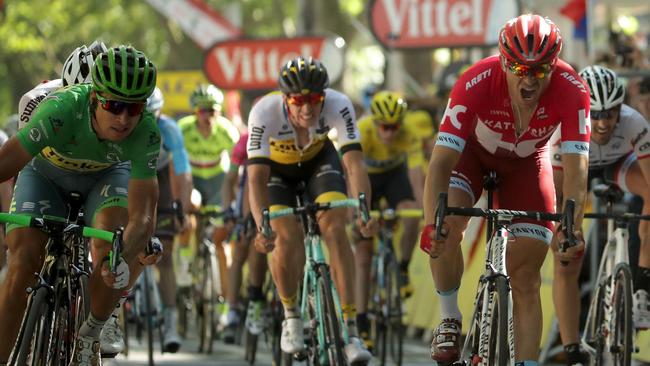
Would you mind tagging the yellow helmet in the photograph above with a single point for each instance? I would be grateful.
(388, 107)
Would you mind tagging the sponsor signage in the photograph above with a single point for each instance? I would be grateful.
(250, 64)
(439, 23)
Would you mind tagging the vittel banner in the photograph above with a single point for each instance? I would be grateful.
(439, 23)
(255, 63)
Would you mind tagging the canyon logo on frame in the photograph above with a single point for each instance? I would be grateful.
(439, 23)
(249, 64)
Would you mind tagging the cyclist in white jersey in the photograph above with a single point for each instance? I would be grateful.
(618, 152)
(288, 144)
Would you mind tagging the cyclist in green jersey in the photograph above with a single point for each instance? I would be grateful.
(209, 137)
(98, 140)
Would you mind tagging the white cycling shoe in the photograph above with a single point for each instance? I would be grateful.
(641, 309)
(292, 340)
(86, 352)
(355, 351)
(111, 339)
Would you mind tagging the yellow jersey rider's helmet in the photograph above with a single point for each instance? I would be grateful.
(388, 107)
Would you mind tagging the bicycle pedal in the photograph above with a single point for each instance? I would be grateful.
(109, 355)
(300, 356)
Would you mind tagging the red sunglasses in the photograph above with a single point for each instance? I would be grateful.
(311, 98)
(117, 107)
(521, 71)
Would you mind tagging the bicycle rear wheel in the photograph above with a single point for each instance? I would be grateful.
(621, 345)
(207, 301)
(329, 318)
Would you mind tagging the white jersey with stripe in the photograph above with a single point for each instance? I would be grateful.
(629, 135)
(30, 100)
(273, 138)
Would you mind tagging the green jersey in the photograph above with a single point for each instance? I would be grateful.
(209, 156)
(61, 131)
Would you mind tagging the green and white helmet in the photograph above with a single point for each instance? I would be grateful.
(206, 95)
(124, 72)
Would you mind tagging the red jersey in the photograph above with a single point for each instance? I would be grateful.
(239, 156)
(479, 110)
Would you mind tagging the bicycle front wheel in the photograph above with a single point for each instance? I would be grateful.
(395, 329)
(621, 321)
(27, 350)
(329, 319)
(499, 350)
(148, 312)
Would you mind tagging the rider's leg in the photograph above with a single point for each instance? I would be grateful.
(637, 184)
(410, 232)
(363, 260)
(239, 256)
(287, 262)
(219, 236)
(332, 226)
(184, 263)
(525, 257)
(26, 248)
(167, 284)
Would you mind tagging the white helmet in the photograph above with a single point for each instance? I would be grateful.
(155, 101)
(77, 68)
(605, 89)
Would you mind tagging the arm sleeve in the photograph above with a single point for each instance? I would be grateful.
(345, 123)
(146, 148)
(575, 127)
(46, 123)
(257, 148)
(459, 117)
(173, 140)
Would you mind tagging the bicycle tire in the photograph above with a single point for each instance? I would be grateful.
(125, 325)
(378, 322)
(622, 324)
(207, 302)
(395, 328)
(37, 305)
(64, 331)
(329, 316)
(593, 324)
(499, 349)
(148, 313)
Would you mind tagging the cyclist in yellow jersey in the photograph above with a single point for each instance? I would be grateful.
(420, 122)
(393, 155)
(209, 137)
(287, 145)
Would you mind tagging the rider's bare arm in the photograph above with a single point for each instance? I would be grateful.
(13, 157)
(443, 160)
(143, 197)
(355, 169)
(574, 184)
(258, 177)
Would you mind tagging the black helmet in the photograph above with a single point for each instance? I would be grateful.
(302, 76)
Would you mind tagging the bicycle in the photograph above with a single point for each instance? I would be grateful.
(490, 338)
(142, 306)
(58, 302)
(205, 294)
(385, 309)
(320, 303)
(609, 330)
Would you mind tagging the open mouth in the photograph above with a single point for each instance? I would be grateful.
(527, 94)
(120, 130)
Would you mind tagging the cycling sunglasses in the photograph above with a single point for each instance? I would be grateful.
(521, 71)
(311, 98)
(117, 107)
(604, 114)
(388, 127)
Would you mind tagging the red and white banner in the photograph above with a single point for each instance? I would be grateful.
(255, 63)
(198, 20)
(439, 23)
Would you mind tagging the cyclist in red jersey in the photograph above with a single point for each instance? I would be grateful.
(499, 116)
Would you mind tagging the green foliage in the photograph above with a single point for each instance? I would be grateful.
(38, 35)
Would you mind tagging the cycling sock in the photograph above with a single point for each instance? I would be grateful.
(642, 279)
(118, 308)
(350, 318)
(290, 306)
(574, 354)
(449, 304)
(526, 363)
(92, 327)
(363, 324)
(255, 293)
(404, 266)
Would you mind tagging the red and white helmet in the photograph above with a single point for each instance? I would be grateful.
(529, 40)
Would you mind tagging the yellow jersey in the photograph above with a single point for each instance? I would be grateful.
(380, 157)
